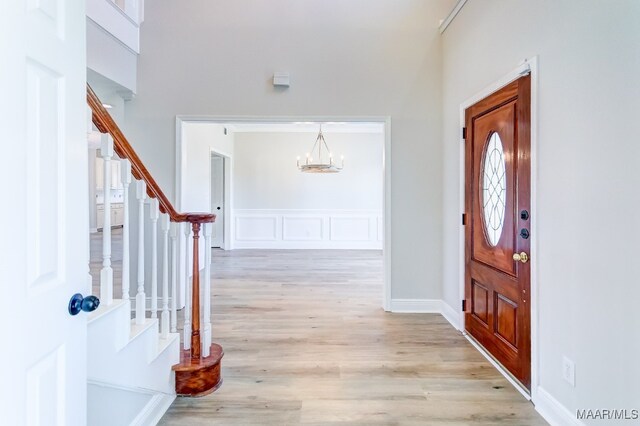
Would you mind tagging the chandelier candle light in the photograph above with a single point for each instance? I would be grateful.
(321, 166)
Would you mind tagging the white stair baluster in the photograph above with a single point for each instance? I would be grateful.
(141, 194)
(154, 214)
(174, 229)
(106, 274)
(126, 278)
(164, 318)
(187, 306)
(206, 291)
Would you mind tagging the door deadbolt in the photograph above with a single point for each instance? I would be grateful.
(521, 257)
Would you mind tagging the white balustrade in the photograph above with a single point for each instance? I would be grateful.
(164, 318)
(106, 273)
(154, 214)
(141, 194)
(173, 234)
(125, 172)
(187, 306)
(206, 290)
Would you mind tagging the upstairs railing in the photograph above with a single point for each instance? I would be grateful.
(175, 230)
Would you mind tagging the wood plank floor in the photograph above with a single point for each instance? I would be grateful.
(306, 342)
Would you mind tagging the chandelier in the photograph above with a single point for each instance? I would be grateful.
(325, 163)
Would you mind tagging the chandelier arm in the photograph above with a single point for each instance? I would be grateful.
(321, 139)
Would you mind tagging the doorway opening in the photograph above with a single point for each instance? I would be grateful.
(267, 202)
(220, 200)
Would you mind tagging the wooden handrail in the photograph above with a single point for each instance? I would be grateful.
(105, 124)
(195, 375)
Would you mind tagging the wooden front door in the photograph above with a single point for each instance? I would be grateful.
(498, 231)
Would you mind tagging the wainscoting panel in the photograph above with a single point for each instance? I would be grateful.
(256, 228)
(308, 229)
(300, 228)
(350, 228)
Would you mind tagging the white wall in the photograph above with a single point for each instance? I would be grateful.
(588, 178)
(266, 177)
(199, 140)
(346, 58)
(277, 206)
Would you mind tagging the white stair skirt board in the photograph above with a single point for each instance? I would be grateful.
(553, 411)
(123, 353)
(135, 407)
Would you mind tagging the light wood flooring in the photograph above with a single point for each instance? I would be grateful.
(306, 342)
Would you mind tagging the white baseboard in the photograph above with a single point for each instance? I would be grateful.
(154, 410)
(553, 411)
(416, 306)
(127, 405)
(304, 245)
(451, 315)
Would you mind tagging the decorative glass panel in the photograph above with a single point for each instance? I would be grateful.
(494, 189)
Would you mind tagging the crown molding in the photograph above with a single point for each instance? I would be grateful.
(454, 12)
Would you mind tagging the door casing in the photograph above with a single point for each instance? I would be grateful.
(386, 165)
(528, 66)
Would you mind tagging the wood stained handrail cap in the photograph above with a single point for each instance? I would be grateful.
(197, 217)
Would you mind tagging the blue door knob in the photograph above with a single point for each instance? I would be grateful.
(79, 303)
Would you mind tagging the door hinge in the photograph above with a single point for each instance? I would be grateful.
(464, 305)
(464, 133)
(464, 218)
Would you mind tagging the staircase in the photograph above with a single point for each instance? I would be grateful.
(135, 358)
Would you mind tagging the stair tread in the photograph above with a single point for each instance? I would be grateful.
(138, 329)
(105, 309)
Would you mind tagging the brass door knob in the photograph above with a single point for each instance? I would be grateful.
(521, 257)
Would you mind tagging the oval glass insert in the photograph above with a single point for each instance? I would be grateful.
(494, 189)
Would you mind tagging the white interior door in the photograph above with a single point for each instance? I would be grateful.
(44, 215)
(217, 200)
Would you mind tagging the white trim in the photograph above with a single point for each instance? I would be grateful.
(553, 411)
(273, 229)
(452, 15)
(451, 315)
(528, 66)
(416, 306)
(386, 165)
(498, 366)
(154, 410)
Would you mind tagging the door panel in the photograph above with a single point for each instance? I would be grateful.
(497, 189)
(44, 250)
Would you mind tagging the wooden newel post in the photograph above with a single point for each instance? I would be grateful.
(195, 296)
(199, 371)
